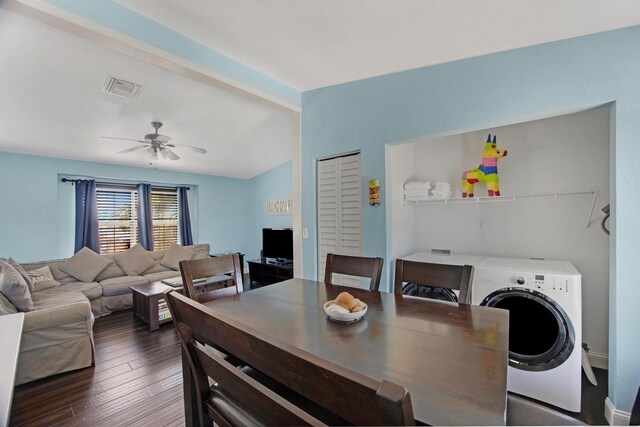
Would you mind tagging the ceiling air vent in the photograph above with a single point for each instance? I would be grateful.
(121, 88)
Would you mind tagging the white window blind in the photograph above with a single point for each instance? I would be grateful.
(164, 205)
(339, 210)
(118, 215)
(117, 218)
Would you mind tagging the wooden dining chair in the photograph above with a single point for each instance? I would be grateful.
(438, 275)
(211, 269)
(236, 398)
(525, 412)
(354, 266)
(338, 391)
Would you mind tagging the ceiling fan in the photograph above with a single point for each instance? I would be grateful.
(156, 144)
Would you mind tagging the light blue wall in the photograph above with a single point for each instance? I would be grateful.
(37, 210)
(480, 93)
(125, 21)
(273, 184)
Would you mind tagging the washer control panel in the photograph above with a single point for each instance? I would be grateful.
(540, 282)
(558, 279)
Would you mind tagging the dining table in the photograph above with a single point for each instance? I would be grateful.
(452, 358)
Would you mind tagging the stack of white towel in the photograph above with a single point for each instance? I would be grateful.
(441, 191)
(415, 191)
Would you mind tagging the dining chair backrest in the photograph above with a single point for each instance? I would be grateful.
(354, 397)
(237, 399)
(439, 275)
(206, 268)
(354, 266)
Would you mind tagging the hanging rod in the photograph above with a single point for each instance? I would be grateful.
(74, 180)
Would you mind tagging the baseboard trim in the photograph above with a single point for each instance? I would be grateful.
(614, 416)
(598, 360)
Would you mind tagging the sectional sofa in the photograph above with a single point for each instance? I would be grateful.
(57, 334)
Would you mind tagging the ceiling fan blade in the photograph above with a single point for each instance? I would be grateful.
(163, 152)
(123, 139)
(129, 150)
(196, 149)
(162, 138)
(171, 154)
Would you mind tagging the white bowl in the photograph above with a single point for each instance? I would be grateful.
(344, 317)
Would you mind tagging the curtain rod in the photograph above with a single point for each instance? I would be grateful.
(73, 181)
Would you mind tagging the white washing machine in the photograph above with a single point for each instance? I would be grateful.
(544, 299)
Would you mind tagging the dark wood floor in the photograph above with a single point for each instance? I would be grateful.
(137, 381)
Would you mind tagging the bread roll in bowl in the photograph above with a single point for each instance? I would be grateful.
(346, 300)
(333, 307)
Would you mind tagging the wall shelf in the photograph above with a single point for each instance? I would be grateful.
(494, 199)
(486, 199)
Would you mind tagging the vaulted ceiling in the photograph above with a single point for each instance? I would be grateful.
(318, 43)
(51, 80)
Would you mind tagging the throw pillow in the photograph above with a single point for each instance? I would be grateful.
(42, 278)
(174, 255)
(134, 260)
(14, 287)
(23, 273)
(5, 306)
(85, 265)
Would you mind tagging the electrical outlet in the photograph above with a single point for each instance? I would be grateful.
(305, 233)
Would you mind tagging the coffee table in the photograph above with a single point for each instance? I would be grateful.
(145, 303)
(146, 298)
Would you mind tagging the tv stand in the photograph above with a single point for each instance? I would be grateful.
(266, 273)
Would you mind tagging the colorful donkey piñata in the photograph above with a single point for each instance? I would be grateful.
(486, 172)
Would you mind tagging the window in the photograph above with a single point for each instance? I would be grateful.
(118, 215)
(164, 204)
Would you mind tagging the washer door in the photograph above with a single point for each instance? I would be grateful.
(541, 335)
(431, 292)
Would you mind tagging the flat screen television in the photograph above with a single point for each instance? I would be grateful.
(277, 243)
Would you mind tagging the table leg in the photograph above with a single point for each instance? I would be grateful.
(154, 323)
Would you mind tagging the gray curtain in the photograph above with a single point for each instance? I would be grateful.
(145, 217)
(186, 237)
(87, 233)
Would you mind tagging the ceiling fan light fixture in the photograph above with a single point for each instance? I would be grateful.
(153, 152)
(155, 142)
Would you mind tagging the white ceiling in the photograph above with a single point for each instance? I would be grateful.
(52, 103)
(50, 84)
(317, 43)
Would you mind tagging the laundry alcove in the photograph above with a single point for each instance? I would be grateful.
(566, 155)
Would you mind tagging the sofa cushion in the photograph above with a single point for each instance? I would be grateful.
(14, 287)
(42, 278)
(134, 260)
(161, 275)
(56, 297)
(113, 270)
(120, 285)
(200, 251)
(54, 265)
(6, 307)
(91, 290)
(175, 254)
(85, 265)
(23, 273)
(157, 257)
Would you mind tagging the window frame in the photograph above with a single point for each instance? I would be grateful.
(112, 247)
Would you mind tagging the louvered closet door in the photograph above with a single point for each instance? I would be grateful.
(339, 204)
